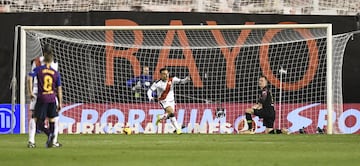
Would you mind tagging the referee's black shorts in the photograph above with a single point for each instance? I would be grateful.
(268, 116)
(45, 110)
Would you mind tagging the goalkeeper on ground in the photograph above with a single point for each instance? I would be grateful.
(264, 108)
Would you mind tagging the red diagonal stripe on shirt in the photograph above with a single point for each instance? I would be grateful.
(167, 90)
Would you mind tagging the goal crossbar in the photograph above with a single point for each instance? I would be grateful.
(177, 27)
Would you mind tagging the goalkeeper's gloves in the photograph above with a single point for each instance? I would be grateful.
(137, 86)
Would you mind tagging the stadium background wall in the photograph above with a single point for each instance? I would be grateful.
(341, 24)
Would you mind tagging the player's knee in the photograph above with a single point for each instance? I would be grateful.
(249, 110)
(56, 119)
(171, 115)
(169, 110)
(268, 130)
(52, 120)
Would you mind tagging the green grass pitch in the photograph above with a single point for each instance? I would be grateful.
(184, 150)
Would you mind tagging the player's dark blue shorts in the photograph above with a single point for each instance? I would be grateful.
(45, 110)
(268, 116)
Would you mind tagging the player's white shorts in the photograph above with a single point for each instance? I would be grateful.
(33, 103)
(164, 104)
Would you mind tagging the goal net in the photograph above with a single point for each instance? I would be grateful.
(104, 85)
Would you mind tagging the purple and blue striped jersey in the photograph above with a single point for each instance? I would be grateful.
(48, 81)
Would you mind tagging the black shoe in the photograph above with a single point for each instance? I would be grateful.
(320, 131)
(31, 145)
(50, 140)
(302, 131)
(182, 127)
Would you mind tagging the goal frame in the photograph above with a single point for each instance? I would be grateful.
(23, 72)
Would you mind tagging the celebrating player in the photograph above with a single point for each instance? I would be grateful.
(47, 81)
(165, 91)
(264, 108)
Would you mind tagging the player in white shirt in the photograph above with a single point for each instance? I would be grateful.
(165, 91)
(38, 61)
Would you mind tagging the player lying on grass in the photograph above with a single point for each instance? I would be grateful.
(165, 91)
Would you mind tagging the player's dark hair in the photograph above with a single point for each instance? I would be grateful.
(47, 49)
(262, 76)
(267, 81)
(162, 69)
(48, 58)
(48, 53)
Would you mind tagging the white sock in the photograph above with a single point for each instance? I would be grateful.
(174, 123)
(56, 129)
(32, 130)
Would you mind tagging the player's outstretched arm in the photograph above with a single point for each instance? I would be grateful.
(30, 85)
(59, 95)
(149, 94)
(181, 81)
(187, 79)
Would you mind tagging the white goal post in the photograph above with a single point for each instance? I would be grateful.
(287, 46)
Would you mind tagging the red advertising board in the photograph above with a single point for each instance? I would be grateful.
(199, 118)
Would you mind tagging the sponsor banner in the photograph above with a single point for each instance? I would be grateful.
(6, 120)
(198, 118)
